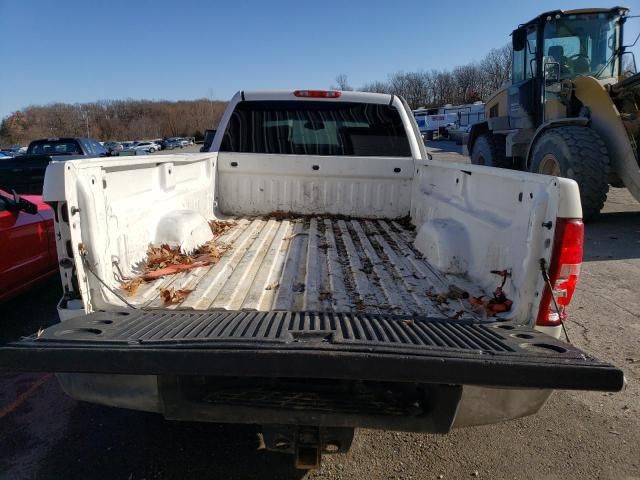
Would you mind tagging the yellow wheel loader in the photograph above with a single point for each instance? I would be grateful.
(572, 107)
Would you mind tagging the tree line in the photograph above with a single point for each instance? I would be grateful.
(112, 120)
(463, 84)
(146, 119)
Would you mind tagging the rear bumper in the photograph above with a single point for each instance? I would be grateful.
(474, 406)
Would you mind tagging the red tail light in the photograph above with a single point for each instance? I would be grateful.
(317, 93)
(564, 270)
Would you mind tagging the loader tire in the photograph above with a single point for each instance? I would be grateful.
(578, 153)
(489, 150)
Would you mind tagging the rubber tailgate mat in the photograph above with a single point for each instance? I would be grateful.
(400, 348)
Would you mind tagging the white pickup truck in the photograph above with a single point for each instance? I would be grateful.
(346, 279)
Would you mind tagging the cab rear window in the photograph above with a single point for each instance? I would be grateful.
(55, 147)
(316, 128)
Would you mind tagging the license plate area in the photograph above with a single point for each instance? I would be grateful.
(320, 402)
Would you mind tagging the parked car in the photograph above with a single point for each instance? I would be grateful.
(27, 237)
(4, 155)
(25, 173)
(113, 147)
(131, 152)
(145, 146)
(183, 142)
(170, 144)
(15, 148)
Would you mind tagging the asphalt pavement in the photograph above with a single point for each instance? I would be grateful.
(577, 435)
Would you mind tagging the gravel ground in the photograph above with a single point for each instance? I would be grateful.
(577, 435)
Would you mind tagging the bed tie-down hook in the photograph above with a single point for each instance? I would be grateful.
(499, 303)
(506, 273)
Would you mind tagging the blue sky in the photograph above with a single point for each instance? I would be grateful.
(79, 51)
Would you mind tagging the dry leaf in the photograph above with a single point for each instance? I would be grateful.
(281, 215)
(172, 296)
(172, 269)
(325, 295)
(219, 227)
(166, 260)
(437, 297)
(131, 286)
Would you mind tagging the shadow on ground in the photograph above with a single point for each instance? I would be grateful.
(613, 236)
(106, 443)
(34, 309)
(436, 146)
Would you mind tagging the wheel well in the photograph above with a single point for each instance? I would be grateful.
(477, 129)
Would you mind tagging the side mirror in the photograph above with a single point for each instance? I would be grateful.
(629, 68)
(519, 39)
(24, 205)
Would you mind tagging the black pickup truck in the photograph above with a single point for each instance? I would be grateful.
(25, 173)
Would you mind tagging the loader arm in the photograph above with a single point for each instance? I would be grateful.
(619, 130)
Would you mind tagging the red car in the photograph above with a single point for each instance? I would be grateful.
(27, 243)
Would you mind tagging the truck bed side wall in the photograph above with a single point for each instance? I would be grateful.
(114, 209)
(472, 220)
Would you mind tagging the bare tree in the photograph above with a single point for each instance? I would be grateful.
(376, 87)
(342, 83)
(463, 84)
(496, 65)
(470, 83)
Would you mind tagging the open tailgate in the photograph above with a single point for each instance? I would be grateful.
(311, 345)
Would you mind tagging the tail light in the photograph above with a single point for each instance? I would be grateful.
(564, 270)
(317, 93)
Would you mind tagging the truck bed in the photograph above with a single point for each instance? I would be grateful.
(322, 264)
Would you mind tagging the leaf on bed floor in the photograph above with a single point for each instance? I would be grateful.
(220, 227)
(172, 296)
(173, 269)
(164, 255)
(166, 260)
(281, 215)
(131, 286)
(326, 295)
(209, 250)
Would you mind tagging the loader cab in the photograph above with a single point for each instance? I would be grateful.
(553, 49)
